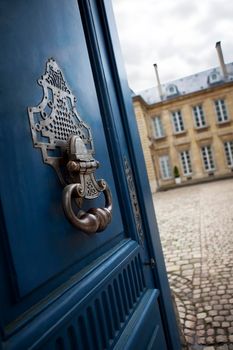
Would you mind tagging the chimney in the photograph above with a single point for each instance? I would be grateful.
(158, 81)
(221, 59)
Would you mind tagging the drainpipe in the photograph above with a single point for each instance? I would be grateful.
(158, 81)
(221, 59)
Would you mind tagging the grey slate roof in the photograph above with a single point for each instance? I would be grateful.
(186, 85)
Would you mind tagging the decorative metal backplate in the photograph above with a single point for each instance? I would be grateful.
(55, 119)
(134, 200)
(67, 145)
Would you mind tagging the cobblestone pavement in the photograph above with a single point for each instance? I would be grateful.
(196, 228)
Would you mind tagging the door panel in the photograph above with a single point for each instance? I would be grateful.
(35, 210)
(63, 288)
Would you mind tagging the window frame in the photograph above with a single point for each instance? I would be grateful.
(157, 124)
(188, 164)
(168, 169)
(209, 146)
(216, 102)
(177, 118)
(230, 153)
(199, 117)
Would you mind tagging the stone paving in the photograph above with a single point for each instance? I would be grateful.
(196, 228)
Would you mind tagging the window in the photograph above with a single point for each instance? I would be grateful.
(221, 111)
(214, 77)
(228, 147)
(199, 116)
(165, 168)
(186, 162)
(172, 90)
(207, 157)
(177, 119)
(157, 127)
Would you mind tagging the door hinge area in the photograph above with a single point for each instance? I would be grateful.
(150, 263)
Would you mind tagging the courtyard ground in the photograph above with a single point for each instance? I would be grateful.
(196, 229)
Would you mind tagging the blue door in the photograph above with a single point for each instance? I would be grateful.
(81, 263)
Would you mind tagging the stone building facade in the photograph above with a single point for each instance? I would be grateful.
(188, 124)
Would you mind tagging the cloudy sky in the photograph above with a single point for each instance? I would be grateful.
(178, 35)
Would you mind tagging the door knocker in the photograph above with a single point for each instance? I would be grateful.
(67, 145)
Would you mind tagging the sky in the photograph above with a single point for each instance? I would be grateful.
(178, 35)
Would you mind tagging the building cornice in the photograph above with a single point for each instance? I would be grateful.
(138, 98)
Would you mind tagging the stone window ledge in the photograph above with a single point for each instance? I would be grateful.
(180, 133)
(202, 128)
(224, 123)
(161, 138)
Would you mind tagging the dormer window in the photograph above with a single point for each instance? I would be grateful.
(214, 77)
(172, 90)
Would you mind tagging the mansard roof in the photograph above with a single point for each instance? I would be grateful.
(189, 84)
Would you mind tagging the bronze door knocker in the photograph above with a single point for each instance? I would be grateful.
(67, 145)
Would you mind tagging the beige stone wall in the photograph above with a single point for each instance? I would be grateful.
(192, 139)
(141, 122)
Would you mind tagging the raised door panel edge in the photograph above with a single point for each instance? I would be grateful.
(92, 25)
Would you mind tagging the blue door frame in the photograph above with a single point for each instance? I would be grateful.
(61, 289)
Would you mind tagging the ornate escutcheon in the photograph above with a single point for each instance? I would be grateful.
(67, 145)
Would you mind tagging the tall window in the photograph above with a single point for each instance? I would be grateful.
(228, 147)
(165, 167)
(207, 157)
(221, 110)
(157, 126)
(186, 162)
(199, 116)
(178, 123)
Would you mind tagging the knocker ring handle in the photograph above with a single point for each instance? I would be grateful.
(95, 219)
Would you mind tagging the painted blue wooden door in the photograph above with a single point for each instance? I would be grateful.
(62, 288)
